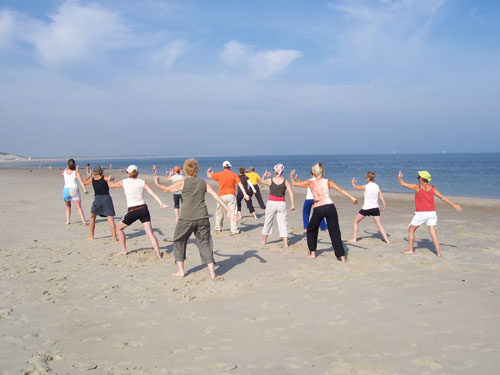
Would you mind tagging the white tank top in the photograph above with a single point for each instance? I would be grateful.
(134, 191)
(70, 180)
(371, 196)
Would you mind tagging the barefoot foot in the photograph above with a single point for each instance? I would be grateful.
(122, 252)
(90, 238)
(407, 252)
(179, 274)
(312, 255)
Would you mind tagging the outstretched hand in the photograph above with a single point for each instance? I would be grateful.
(163, 206)
(354, 180)
(400, 174)
(458, 208)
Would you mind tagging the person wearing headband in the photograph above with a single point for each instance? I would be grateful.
(276, 204)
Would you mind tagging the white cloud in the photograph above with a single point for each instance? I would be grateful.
(167, 55)
(79, 32)
(7, 24)
(260, 64)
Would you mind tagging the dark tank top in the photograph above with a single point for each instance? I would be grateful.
(277, 190)
(193, 196)
(100, 186)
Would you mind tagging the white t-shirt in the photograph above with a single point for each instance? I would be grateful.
(371, 196)
(134, 190)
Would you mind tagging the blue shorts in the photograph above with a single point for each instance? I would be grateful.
(71, 194)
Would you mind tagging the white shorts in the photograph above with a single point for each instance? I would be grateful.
(424, 217)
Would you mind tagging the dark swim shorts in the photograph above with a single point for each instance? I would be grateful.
(137, 213)
(370, 212)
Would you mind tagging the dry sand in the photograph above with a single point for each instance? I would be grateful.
(70, 306)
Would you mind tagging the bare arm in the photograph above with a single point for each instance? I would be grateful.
(334, 186)
(115, 185)
(210, 172)
(446, 200)
(214, 195)
(265, 180)
(88, 180)
(381, 196)
(296, 182)
(292, 197)
(153, 194)
(79, 177)
(405, 184)
(357, 187)
(179, 185)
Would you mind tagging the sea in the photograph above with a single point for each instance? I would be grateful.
(454, 174)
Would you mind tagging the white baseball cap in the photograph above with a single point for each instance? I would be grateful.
(131, 168)
(226, 164)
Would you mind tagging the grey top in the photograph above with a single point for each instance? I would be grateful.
(193, 196)
(277, 190)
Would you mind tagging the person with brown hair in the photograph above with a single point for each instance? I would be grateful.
(71, 193)
(194, 217)
(249, 190)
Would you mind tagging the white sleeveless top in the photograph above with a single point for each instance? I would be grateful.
(371, 196)
(70, 180)
(134, 191)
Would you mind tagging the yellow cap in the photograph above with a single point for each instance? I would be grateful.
(425, 175)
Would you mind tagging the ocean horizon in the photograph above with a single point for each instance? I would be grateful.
(454, 174)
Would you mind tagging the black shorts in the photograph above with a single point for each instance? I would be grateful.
(370, 212)
(137, 213)
(177, 200)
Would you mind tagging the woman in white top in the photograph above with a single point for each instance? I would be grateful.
(70, 191)
(137, 208)
(323, 208)
(370, 206)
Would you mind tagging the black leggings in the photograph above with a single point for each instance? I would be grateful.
(239, 198)
(329, 212)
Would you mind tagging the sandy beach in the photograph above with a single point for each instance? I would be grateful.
(71, 306)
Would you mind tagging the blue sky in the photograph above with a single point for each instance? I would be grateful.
(124, 77)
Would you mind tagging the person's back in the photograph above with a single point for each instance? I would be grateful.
(70, 179)
(371, 196)
(227, 181)
(134, 191)
(100, 186)
(193, 193)
(321, 192)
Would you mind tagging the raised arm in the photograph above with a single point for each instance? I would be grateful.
(210, 172)
(357, 187)
(153, 194)
(334, 186)
(296, 182)
(88, 179)
(446, 200)
(405, 184)
(381, 196)
(179, 185)
(265, 180)
(292, 197)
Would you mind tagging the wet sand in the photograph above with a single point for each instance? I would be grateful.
(70, 306)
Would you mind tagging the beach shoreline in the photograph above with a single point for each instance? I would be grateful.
(70, 305)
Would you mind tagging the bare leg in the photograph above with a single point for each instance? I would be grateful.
(411, 239)
(68, 212)
(239, 215)
(311, 254)
(180, 269)
(285, 241)
(355, 227)
(152, 238)
(211, 270)
(264, 239)
(381, 228)
(435, 239)
(254, 215)
(78, 206)
(111, 221)
(91, 227)
(121, 237)
(176, 210)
